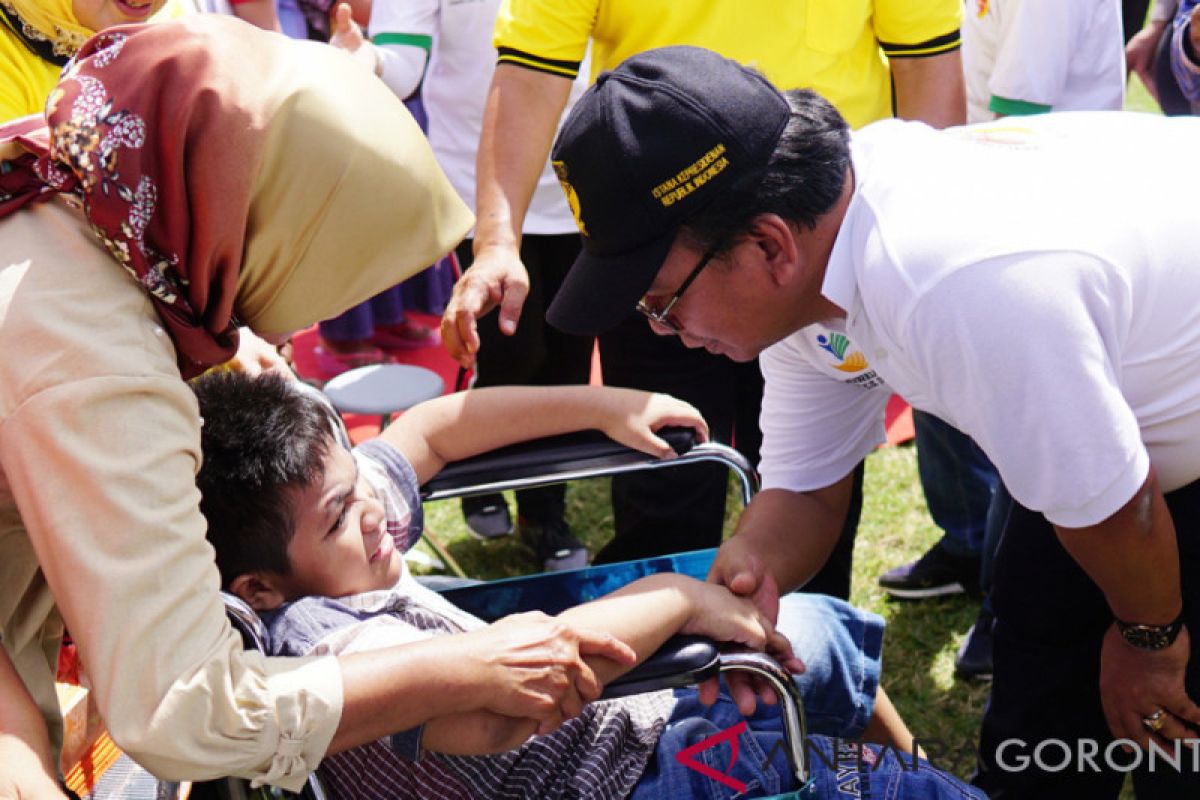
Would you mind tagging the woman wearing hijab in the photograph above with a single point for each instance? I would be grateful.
(192, 176)
(38, 37)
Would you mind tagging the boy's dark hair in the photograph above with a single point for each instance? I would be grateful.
(261, 438)
(801, 182)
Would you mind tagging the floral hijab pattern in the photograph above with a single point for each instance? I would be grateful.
(182, 140)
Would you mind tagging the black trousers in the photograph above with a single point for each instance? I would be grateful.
(1050, 622)
(681, 509)
(537, 354)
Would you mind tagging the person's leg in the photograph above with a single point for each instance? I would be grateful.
(974, 657)
(886, 726)
(958, 481)
(565, 359)
(1050, 621)
(834, 577)
(1165, 781)
(842, 650)
(683, 508)
(537, 355)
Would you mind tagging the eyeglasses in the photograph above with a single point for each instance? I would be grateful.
(662, 316)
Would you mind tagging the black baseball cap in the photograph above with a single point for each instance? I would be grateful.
(648, 146)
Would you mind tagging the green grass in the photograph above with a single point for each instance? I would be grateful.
(922, 638)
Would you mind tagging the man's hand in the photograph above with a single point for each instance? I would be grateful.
(745, 574)
(1135, 683)
(496, 278)
(721, 615)
(349, 37)
(536, 669)
(1139, 53)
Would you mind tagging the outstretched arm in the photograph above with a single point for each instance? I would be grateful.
(464, 424)
(521, 115)
(644, 615)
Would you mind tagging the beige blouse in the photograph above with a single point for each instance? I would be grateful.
(99, 446)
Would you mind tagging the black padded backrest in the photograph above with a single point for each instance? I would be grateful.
(553, 454)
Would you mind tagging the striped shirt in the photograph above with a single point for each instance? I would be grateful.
(599, 754)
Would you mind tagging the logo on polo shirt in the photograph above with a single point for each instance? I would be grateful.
(839, 346)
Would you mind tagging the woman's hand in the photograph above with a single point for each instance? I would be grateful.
(632, 417)
(533, 667)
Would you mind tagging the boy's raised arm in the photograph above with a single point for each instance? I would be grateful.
(464, 424)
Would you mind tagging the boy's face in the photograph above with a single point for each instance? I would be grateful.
(340, 544)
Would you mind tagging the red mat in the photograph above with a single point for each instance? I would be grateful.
(899, 415)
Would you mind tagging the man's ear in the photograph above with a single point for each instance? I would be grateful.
(777, 249)
(260, 590)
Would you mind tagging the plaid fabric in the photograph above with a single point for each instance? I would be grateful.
(600, 754)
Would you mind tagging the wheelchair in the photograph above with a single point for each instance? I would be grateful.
(682, 661)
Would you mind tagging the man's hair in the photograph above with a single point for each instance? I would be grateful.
(801, 182)
(262, 439)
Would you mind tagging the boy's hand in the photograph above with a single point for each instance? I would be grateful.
(725, 617)
(537, 670)
(634, 416)
(745, 574)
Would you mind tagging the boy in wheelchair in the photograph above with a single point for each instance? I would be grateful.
(311, 535)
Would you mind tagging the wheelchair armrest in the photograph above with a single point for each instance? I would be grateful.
(688, 660)
(681, 661)
(554, 458)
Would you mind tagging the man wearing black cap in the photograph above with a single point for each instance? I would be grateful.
(832, 44)
(1057, 333)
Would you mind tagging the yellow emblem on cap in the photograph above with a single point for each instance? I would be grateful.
(560, 170)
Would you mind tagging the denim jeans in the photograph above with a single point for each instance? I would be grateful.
(758, 766)
(958, 480)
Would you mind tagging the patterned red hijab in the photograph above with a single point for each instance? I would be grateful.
(183, 141)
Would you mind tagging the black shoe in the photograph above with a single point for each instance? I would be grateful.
(934, 574)
(554, 544)
(487, 516)
(974, 659)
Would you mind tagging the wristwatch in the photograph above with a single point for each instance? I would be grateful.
(1150, 637)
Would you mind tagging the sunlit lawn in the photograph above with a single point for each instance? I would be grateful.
(922, 638)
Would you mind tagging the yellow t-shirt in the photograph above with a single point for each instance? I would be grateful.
(837, 47)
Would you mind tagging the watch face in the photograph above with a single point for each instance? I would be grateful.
(1146, 637)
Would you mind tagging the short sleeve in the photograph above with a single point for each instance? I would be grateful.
(915, 28)
(395, 483)
(545, 35)
(1035, 55)
(816, 429)
(412, 22)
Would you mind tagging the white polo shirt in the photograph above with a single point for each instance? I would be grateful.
(457, 35)
(1014, 279)
(1029, 56)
